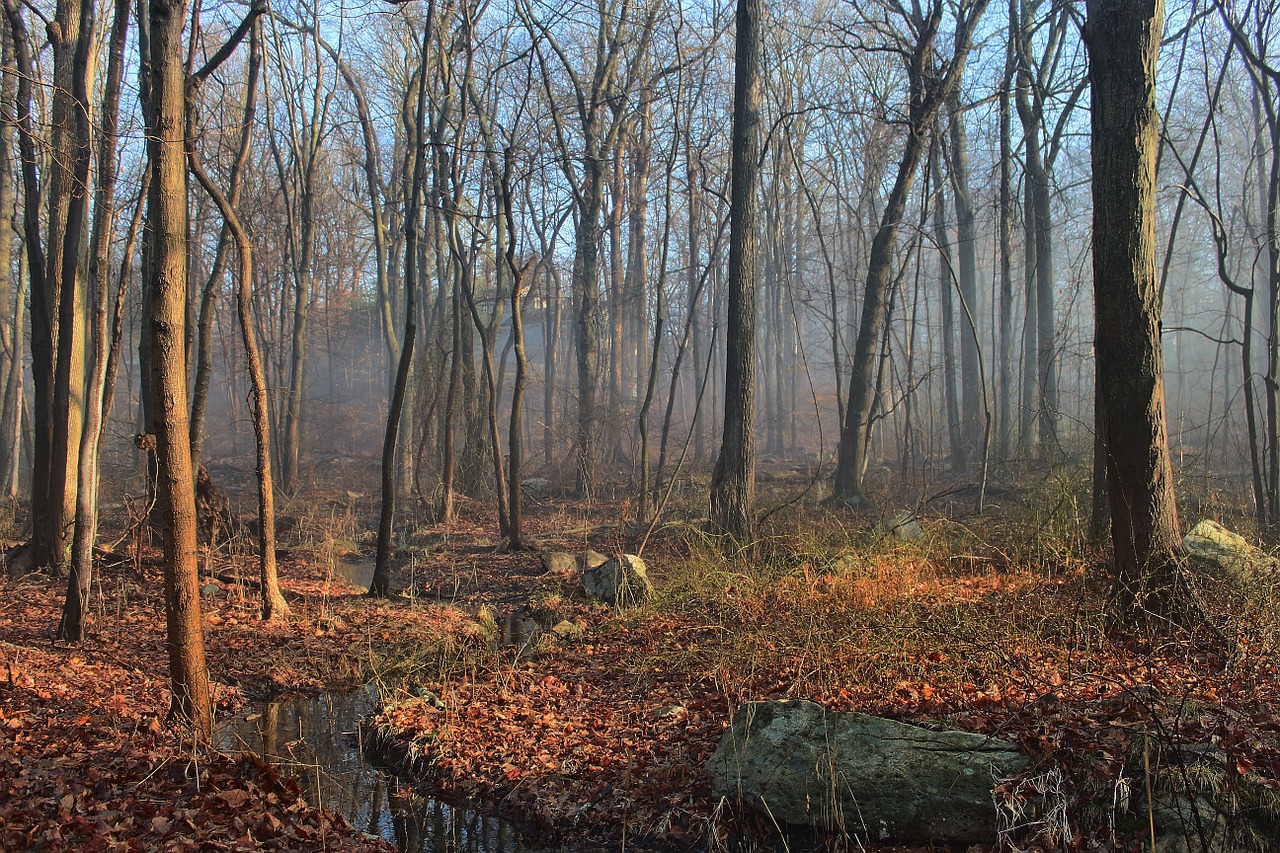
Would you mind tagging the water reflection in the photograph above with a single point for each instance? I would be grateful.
(314, 739)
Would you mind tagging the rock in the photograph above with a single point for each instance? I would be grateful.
(800, 764)
(427, 697)
(620, 581)
(537, 486)
(210, 590)
(558, 562)
(329, 625)
(564, 629)
(1203, 804)
(903, 526)
(592, 559)
(1211, 543)
(547, 610)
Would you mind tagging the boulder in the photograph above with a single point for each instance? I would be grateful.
(536, 486)
(797, 763)
(903, 526)
(558, 562)
(620, 581)
(592, 559)
(1210, 542)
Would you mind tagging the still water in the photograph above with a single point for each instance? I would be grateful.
(314, 740)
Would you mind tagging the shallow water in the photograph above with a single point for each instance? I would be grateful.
(314, 740)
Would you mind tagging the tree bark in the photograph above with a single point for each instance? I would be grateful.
(1123, 39)
(167, 236)
(733, 481)
(71, 627)
(380, 585)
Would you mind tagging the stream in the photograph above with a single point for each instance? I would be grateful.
(313, 738)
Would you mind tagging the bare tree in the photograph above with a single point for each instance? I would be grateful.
(1123, 39)
(733, 482)
(167, 249)
(71, 626)
(381, 584)
(930, 81)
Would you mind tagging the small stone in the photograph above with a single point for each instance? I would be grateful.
(564, 629)
(668, 712)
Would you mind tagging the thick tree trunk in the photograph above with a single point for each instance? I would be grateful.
(1123, 38)
(733, 482)
(167, 236)
(68, 222)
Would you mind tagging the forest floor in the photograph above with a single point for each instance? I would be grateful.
(996, 625)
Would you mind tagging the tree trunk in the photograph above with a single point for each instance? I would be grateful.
(1004, 441)
(167, 236)
(42, 319)
(946, 284)
(733, 480)
(273, 603)
(71, 627)
(380, 585)
(929, 86)
(1123, 40)
(11, 290)
(966, 248)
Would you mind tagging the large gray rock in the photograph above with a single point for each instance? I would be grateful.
(903, 526)
(1211, 543)
(620, 581)
(798, 763)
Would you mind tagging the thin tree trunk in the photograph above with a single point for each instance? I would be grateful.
(515, 439)
(72, 626)
(971, 386)
(273, 602)
(955, 440)
(380, 585)
(1006, 346)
